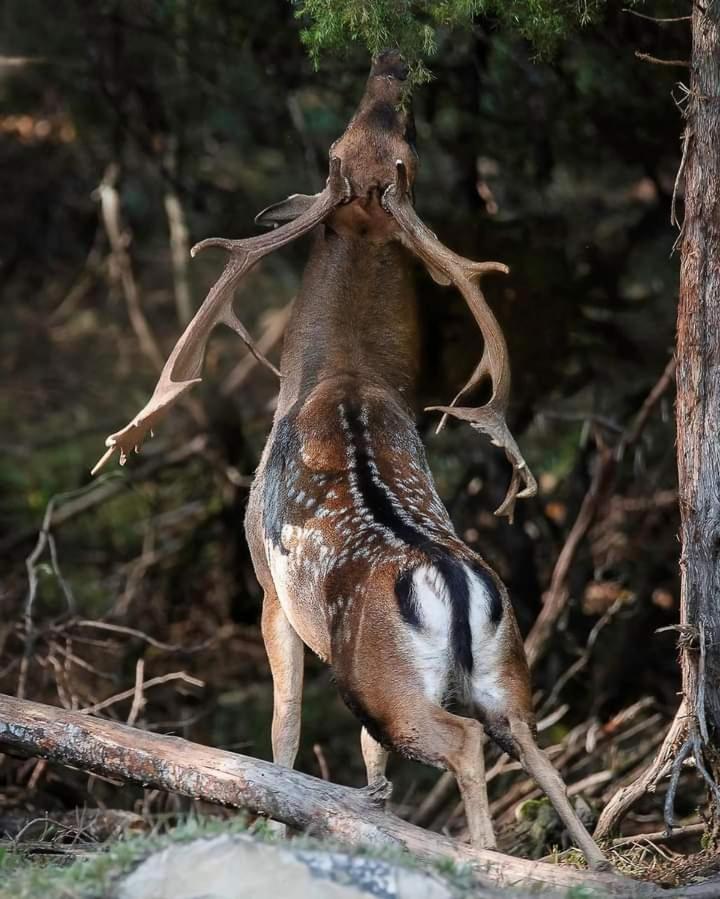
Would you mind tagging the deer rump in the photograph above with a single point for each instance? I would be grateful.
(351, 523)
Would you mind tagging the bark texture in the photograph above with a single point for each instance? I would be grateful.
(698, 396)
(323, 809)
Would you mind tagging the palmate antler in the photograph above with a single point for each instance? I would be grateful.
(464, 274)
(183, 368)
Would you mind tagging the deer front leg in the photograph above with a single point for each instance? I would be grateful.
(539, 767)
(285, 654)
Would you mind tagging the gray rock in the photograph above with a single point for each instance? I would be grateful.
(238, 867)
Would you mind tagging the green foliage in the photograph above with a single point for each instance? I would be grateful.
(413, 25)
(531, 808)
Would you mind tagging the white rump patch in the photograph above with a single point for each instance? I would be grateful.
(485, 683)
(430, 645)
(430, 649)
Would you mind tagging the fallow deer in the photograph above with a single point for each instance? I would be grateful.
(351, 544)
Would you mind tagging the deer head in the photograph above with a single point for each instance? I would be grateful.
(372, 167)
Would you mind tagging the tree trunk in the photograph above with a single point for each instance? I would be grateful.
(322, 809)
(698, 397)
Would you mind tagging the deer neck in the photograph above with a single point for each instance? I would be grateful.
(355, 314)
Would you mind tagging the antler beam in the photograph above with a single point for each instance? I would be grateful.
(184, 366)
(464, 274)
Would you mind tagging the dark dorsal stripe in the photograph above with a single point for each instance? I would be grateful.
(375, 496)
(376, 499)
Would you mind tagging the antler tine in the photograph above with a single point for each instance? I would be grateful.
(464, 274)
(184, 365)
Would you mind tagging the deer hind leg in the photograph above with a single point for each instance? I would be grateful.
(539, 767)
(473, 789)
(436, 736)
(374, 756)
(285, 653)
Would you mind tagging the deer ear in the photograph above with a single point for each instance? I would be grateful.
(285, 210)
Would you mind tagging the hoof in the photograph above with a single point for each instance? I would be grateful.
(378, 792)
(601, 865)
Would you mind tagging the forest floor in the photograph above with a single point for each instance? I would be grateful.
(94, 871)
(53, 861)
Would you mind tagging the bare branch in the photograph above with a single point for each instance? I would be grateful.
(646, 57)
(138, 702)
(556, 598)
(130, 631)
(660, 836)
(179, 254)
(118, 238)
(675, 771)
(633, 433)
(44, 540)
(584, 658)
(277, 320)
(660, 767)
(153, 682)
(660, 21)
(12, 62)
(558, 593)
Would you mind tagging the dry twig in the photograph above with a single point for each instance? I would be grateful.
(558, 594)
(45, 540)
(646, 57)
(135, 632)
(66, 506)
(138, 702)
(628, 795)
(660, 836)
(179, 254)
(133, 692)
(119, 239)
(661, 21)
(322, 761)
(277, 321)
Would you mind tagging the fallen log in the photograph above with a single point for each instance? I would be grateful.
(351, 816)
